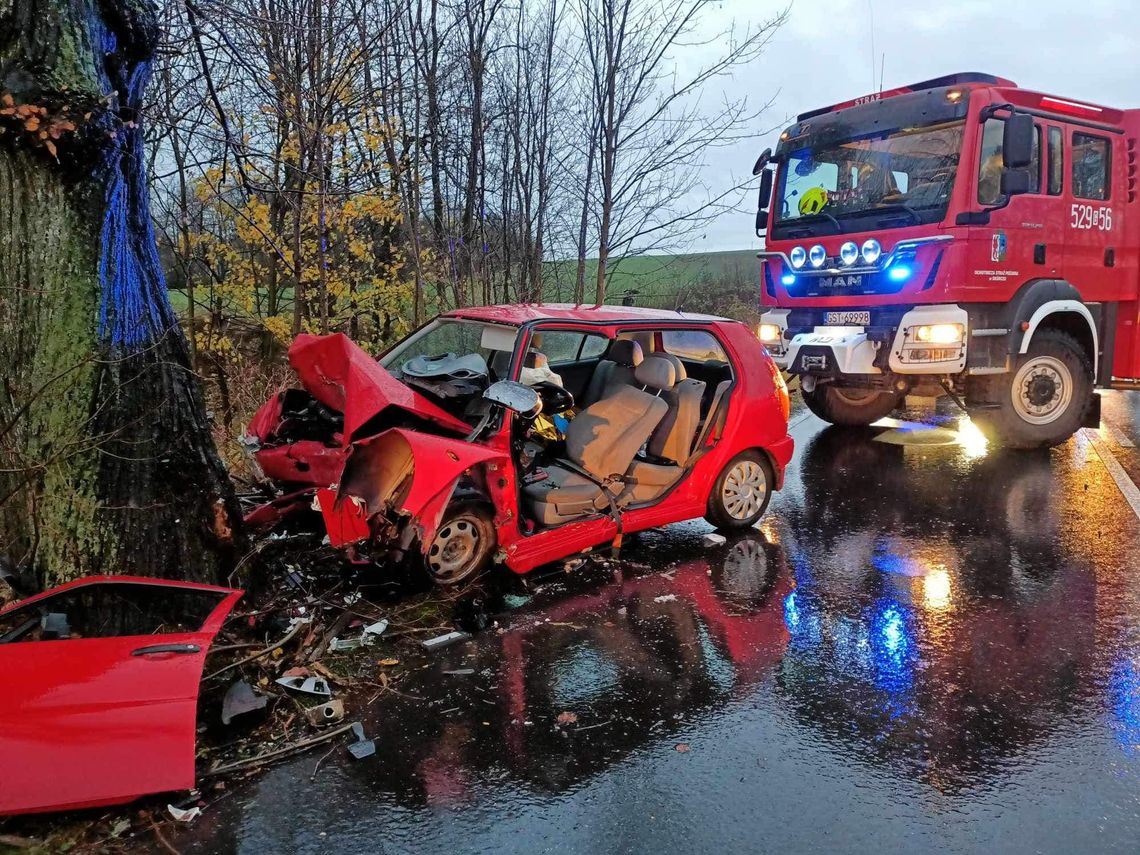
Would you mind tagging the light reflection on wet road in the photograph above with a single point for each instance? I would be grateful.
(924, 644)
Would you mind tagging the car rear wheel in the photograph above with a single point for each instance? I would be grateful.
(850, 407)
(741, 492)
(462, 546)
(1043, 400)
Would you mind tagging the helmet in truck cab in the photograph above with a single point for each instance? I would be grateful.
(813, 200)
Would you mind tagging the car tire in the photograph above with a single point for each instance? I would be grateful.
(849, 407)
(462, 546)
(1041, 402)
(741, 492)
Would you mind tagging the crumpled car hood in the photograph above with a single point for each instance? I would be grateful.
(340, 375)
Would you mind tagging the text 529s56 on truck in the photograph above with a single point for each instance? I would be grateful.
(959, 236)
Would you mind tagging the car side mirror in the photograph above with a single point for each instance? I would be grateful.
(516, 397)
(1017, 143)
(764, 197)
(1014, 182)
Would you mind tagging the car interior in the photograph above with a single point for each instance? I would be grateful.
(640, 408)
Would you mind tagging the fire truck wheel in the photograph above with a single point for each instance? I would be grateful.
(462, 545)
(1043, 400)
(741, 492)
(850, 407)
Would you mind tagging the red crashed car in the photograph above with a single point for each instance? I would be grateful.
(526, 433)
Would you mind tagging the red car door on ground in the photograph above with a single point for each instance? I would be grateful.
(100, 690)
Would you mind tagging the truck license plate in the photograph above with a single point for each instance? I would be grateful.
(837, 319)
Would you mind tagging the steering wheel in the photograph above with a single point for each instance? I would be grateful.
(555, 399)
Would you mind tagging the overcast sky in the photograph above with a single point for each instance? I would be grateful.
(1082, 49)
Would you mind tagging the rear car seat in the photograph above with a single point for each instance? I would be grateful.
(602, 440)
(615, 370)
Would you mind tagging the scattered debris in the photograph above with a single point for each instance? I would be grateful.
(325, 714)
(240, 700)
(460, 672)
(682, 748)
(446, 640)
(666, 598)
(362, 747)
(118, 828)
(187, 815)
(714, 539)
(306, 685)
(388, 662)
(261, 759)
(515, 601)
(567, 718)
(342, 645)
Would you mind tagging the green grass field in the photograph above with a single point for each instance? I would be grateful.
(660, 280)
(709, 281)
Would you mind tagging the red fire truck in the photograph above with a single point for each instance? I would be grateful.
(960, 236)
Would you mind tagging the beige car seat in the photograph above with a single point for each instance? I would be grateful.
(615, 370)
(602, 442)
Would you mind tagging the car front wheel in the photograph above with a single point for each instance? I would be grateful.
(462, 546)
(741, 492)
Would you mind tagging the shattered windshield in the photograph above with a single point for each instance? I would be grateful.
(886, 179)
(492, 343)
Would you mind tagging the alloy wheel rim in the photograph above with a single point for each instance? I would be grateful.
(1042, 390)
(745, 488)
(454, 549)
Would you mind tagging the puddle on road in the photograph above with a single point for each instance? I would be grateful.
(920, 643)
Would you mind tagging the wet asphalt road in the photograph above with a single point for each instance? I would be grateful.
(925, 644)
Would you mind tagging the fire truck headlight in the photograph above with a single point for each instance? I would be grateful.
(797, 257)
(872, 249)
(849, 253)
(817, 256)
(769, 333)
(939, 333)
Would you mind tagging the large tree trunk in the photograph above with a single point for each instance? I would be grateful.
(106, 459)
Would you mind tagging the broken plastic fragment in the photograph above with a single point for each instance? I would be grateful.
(325, 714)
(307, 685)
(666, 598)
(714, 539)
(446, 640)
(362, 747)
(241, 699)
(187, 815)
(376, 629)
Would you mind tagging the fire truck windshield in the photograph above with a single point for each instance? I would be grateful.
(885, 179)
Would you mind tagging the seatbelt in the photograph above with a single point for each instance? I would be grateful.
(615, 510)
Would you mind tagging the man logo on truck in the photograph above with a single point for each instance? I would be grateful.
(928, 187)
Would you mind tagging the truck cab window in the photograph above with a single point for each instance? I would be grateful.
(990, 162)
(1056, 161)
(1091, 158)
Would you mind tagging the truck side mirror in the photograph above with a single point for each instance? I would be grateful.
(765, 197)
(1014, 182)
(1017, 143)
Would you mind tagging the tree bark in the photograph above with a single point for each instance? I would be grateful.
(106, 460)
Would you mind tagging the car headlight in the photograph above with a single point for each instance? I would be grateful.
(849, 253)
(939, 333)
(769, 333)
(872, 249)
(817, 256)
(797, 257)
